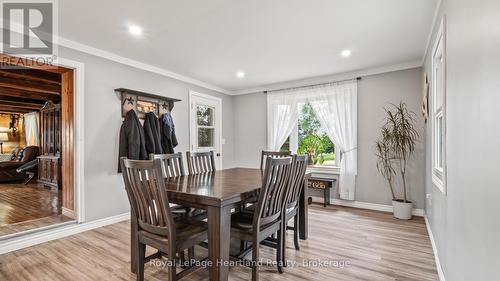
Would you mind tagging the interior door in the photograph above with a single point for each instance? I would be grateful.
(206, 125)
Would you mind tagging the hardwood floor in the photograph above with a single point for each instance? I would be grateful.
(370, 246)
(26, 207)
(19, 202)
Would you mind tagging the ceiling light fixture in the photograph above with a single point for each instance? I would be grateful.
(135, 30)
(346, 53)
(240, 74)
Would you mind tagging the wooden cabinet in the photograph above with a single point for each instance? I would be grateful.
(49, 172)
(49, 163)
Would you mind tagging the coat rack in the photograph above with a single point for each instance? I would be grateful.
(143, 102)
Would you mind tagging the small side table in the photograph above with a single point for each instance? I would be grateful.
(321, 183)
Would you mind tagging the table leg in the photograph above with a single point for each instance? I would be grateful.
(219, 236)
(325, 194)
(133, 241)
(303, 213)
(328, 196)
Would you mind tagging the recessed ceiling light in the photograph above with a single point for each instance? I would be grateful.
(346, 53)
(240, 74)
(135, 30)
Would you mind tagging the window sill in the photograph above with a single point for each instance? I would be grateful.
(332, 170)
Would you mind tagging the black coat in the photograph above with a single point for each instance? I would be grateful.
(168, 138)
(132, 142)
(152, 134)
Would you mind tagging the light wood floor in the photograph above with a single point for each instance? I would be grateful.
(372, 245)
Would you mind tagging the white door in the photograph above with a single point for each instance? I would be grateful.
(205, 125)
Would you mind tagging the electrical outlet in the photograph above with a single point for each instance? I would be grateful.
(429, 199)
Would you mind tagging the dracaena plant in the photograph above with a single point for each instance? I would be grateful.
(396, 145)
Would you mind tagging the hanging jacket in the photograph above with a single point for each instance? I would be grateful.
(168, 138)
(152, 134)
(132, 142)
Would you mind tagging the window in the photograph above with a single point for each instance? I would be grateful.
(438, 119)
(205, 126)
(309, 137)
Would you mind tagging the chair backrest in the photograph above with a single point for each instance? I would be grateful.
(200, 162)
(147, 194)
(273, 154)
(296, 182)
(171, 164)
(271, 196)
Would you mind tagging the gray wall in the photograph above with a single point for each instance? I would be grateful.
(464, 222)
(104, 192)
(374, 92)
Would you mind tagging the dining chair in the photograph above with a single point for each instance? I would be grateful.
(200, 162)
(273, 154)
(291, 206)
(256, 226)
(171, 164)
(156, 225)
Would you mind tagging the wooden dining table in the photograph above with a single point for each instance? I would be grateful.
(218, 193)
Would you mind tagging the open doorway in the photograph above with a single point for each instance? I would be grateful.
(36, 148)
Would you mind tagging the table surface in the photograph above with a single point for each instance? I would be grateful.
(218, 188)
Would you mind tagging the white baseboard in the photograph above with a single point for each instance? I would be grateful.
(434, 249)
(28, 240)
(365, 205)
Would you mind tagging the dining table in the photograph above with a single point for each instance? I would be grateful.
(219, 193)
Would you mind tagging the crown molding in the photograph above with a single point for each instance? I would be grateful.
(429, 37)
(137, 64)
(331, 77)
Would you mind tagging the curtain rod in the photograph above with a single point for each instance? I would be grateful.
(307, 86)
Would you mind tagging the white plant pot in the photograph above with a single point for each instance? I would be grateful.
(402, 210)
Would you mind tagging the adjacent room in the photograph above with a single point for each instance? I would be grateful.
(249, 140)
(30, 150)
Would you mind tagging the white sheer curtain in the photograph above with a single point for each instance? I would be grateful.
(335, 106)
(282, 114)
(31, 128)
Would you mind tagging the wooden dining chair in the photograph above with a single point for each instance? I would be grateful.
(291, 206)
(256, 226)
(200, 162)
(171, 164)
(156, 225)
(273, 154)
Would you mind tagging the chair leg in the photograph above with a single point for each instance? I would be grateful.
(172, 276)
(242, 245)
(191, 255)
(284, 226)
(141, 252)
(182, 256)
(279, 250)
(255, 261)
(296, 232)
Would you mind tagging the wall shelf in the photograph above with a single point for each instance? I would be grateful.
(143, 102)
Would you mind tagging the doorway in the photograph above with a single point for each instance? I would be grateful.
(42, 98)
(206, 125)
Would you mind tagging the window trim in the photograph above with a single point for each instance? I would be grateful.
(439, 172)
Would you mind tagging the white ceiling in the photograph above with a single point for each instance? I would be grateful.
(271, 41)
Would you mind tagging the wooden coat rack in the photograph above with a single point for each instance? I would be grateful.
(143, 102)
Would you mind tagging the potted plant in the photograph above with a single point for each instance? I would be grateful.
(395, 147)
